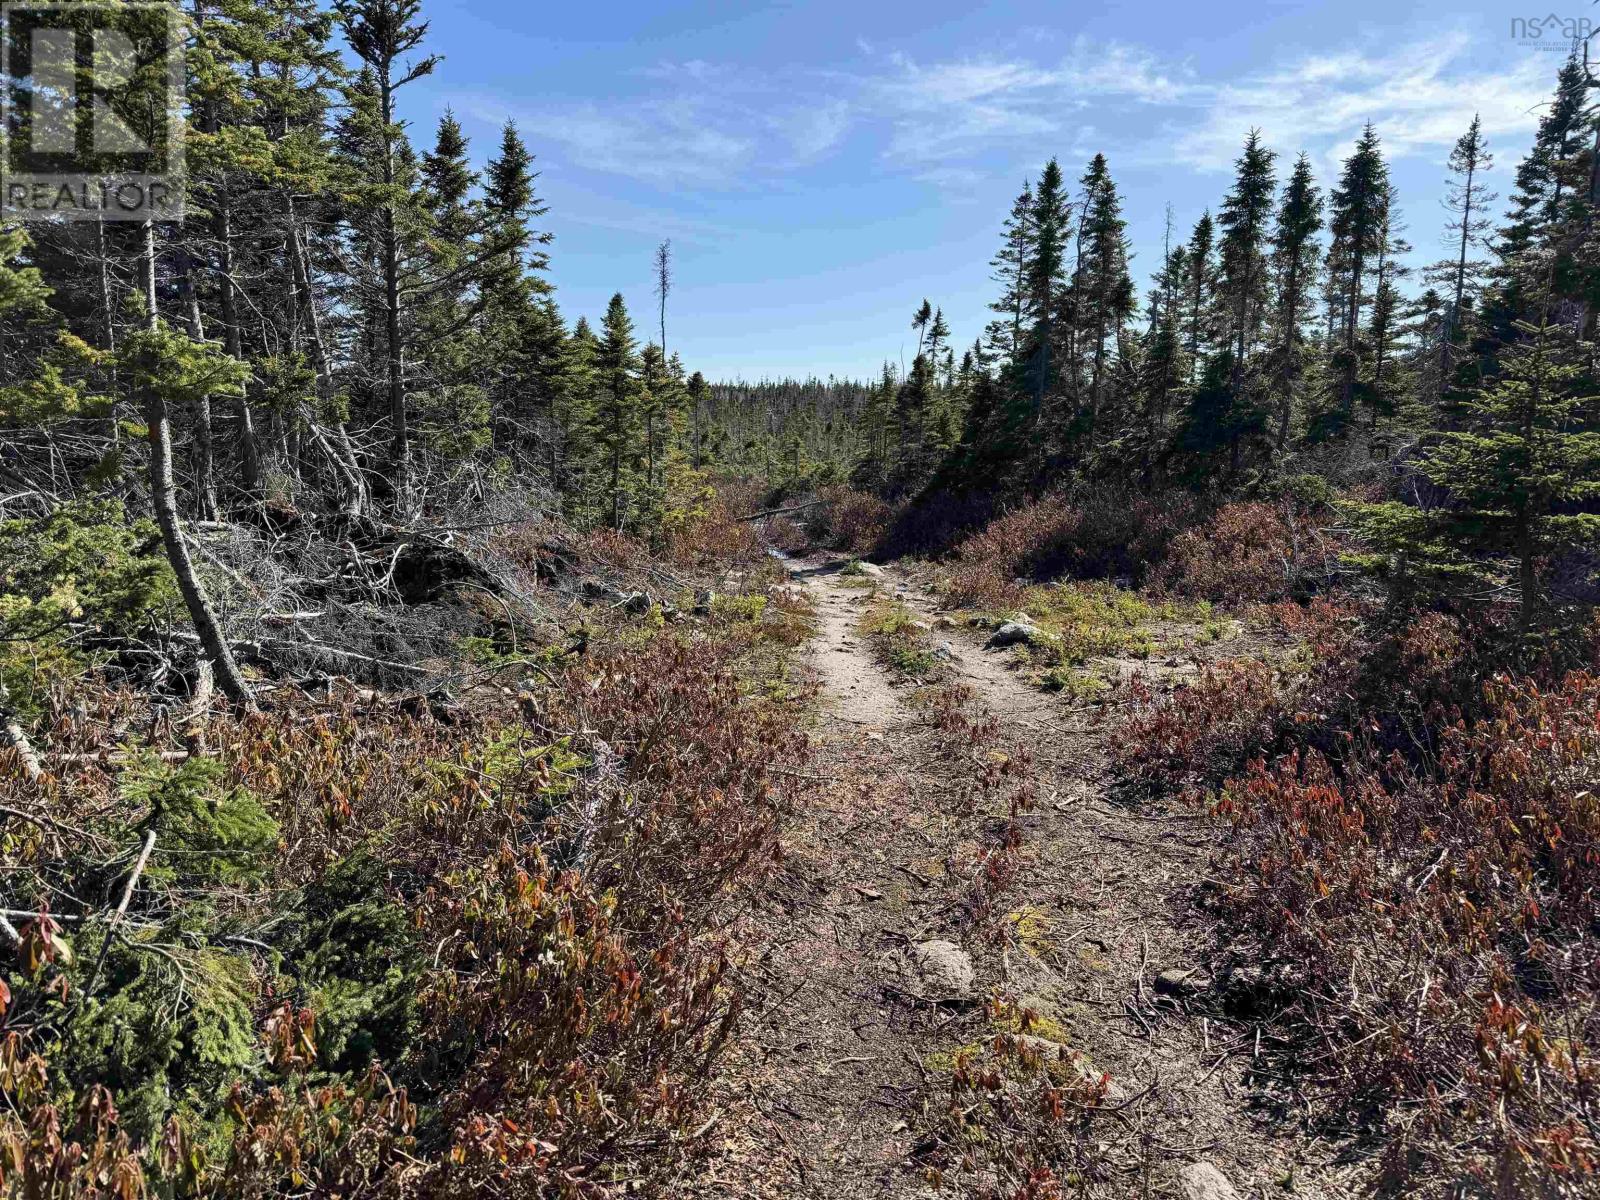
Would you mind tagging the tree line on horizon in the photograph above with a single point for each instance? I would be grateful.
(1284, 333)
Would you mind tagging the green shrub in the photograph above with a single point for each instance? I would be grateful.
(357, 952)
(206, 833)
(78, 576)
(167, 1028)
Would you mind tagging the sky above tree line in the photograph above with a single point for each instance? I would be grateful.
(820, 166)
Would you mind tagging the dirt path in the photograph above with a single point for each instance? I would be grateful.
(841, 1053)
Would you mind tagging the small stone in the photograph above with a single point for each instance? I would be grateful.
(1178, 981)
(870, 570)
(1013, 633)
(1203, 1181)
(944, 652)
(937, 970)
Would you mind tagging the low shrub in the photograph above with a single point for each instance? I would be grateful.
(899, 639)
(1196, 735)
(1104, 536)
(1017, 1117)
(512, 910)
(711, 532)
(848, 520)
(1439, 921)
(1248, 552)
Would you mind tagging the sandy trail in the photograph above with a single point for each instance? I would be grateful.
(835, 1061)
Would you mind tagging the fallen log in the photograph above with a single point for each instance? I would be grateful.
(778, 512)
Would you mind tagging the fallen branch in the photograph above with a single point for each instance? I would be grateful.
(122, 909)
(47, 822)
(12, 734)
(778, 512)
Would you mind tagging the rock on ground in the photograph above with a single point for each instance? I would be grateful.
(1203, 1181)
(937, 970)
(1178, 981)
(1012, 633)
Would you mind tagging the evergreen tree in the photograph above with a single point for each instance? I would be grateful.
(1245, 215)
(1357, 215)
(1004, 336)
(381, 33)
(572, 449)
(616, 407)
(1102, 285)
(1200, 290)
(699, 395)
(452, 412)
(523, 337)
(1517, 476)
(1467, 198)
(1045, 282)
(1384, 328)
(1294, 255)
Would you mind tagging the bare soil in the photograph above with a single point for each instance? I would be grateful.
(840, 1067)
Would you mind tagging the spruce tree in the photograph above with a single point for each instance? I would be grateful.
(381, 34)
(1357, 209)
(616, 407)
(1198, 293)
(1467, 198)
(1102, 285)
(1244, 217)
(1045, 281)
(1294, 256)
(1517, 477)
(1004, 336)
(523, 337)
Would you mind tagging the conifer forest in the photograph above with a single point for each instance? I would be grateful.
(1145, 744)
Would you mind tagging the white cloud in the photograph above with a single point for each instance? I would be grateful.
(953, 122)
(696, 123)
(812, 131)
(661, 142)
(1420, 98)
(947, 110)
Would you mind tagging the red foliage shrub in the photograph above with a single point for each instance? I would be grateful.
(1246, 552)
(712, 533)
(1439, 921)
(988, 564)
(43, 1155)
(1107, 534)
(565, 862)
(1200, 732)
(786, 534)
(1017, 1118)
(579, 980)
(848, 520)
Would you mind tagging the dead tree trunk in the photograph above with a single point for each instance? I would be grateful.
(340, 453)
(207, 506)
(249, 450)
(163, 499)
(13, 735)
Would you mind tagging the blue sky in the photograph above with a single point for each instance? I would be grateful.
(821, 166)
